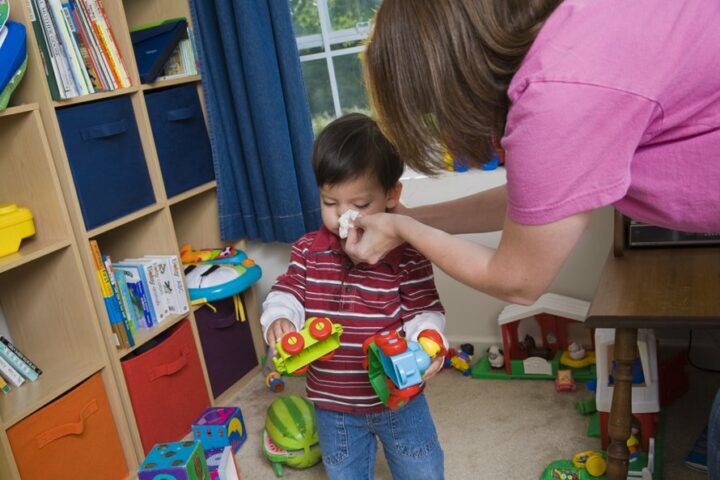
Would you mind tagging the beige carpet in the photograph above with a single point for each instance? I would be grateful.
(489, 430)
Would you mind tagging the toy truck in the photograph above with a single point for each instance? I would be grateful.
(396, 365)
(317, 340)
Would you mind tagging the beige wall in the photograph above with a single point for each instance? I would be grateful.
(472, 316)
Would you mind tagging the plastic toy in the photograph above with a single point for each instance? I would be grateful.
(273, 380)
(219, 427)
(495, 356)
(564, 470)
(575, 351)
(565, 381)
(317, 340)
(4, 13)
(537, 337)
(290, 436)
(13, 56)
(460, 359)
(214, 274)
(593, 462)
(175, 461)
(396, 366)
(221, 464)
(15, 224)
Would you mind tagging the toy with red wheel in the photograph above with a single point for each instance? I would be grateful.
(396, 365)
(317, 340)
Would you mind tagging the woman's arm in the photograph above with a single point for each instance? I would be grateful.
(478, 213)
(520, 270)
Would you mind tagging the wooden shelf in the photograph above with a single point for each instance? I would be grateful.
(28, 107)
(31, 250)
(192, 192)
(144, 335)
(57, 378)
(95, 96)
(124, 220)
(171, 82)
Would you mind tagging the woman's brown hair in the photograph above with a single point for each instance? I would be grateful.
(437, 73)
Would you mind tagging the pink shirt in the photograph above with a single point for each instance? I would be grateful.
(618, 102)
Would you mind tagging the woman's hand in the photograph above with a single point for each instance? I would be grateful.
(373, 237)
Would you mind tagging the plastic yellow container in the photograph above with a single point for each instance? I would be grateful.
(15, 224)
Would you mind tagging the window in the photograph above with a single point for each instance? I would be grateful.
(330, 37)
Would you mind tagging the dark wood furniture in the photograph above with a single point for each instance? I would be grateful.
(649, 288)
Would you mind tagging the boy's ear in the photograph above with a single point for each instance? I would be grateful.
(393, 196)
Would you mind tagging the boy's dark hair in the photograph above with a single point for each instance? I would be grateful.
(352, 146)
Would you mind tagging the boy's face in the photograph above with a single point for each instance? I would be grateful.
(362, 194)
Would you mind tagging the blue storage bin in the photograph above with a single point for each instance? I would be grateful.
(106, 158)
(181, 138)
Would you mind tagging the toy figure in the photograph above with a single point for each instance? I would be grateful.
(633, 444)
(564, 382)
(528, 344)
(576, 351)
(496, 357)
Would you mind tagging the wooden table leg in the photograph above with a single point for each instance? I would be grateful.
(620, 410)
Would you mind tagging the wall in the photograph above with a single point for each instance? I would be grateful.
(472, 316)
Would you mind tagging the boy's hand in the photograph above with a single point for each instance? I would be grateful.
(277, 329)
(435, 366)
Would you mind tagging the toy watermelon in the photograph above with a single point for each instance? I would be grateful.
(290, 436)
(4, 13)
(13, 58)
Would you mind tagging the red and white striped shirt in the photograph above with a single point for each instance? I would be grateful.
(321, 281)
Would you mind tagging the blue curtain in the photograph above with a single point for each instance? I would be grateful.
(259, 119)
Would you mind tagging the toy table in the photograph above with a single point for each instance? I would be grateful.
(649, 288)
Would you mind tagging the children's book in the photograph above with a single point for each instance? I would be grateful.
(178, 294)
(22, 356)
(697, 458)
(113, 310)
(139, 288)
(4, 387)
(152, 274)
(126, 301)
(17, 363)
(10, 374)
(117, 301)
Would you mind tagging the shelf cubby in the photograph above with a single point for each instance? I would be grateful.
(48, 316)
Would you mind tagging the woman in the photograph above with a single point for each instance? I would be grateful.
(595, 103)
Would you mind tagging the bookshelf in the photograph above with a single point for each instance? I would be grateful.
(49, 292)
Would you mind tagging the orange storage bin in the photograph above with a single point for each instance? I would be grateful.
(167, 388)
(73, 437)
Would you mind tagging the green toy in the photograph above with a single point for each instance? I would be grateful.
(4, 13)
(317, 340)
(12, 85)
(565, 470)
(290, 436)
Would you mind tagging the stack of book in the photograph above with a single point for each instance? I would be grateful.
(15, 367)
(183, 61)
(77, 46)
(139, 293)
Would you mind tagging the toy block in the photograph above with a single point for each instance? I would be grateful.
(221, 464)
(219, 427)
(175, 460)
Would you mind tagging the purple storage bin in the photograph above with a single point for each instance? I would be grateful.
(227, 345)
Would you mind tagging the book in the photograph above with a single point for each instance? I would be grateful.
(152, 275)
(697, 458)
(69, 49)
(4, 387)
(66, 86)
(117, 303)
(100, 52)
(17, 363)
(10, 374)
(138, 293)
(44, 50)
(96, 12)
(153, 44)
(116, 323)
(84, 47)
(126, 300)
(168, 282)
(86, 74)
(22, 356)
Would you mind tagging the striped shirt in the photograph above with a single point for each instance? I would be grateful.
(321, 281)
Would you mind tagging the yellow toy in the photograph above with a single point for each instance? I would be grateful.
(591, 461)
(318, 339)
(15, 224)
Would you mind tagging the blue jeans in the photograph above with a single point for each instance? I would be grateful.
(408, 435)
(713, 444)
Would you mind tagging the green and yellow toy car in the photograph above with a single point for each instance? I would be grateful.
(317, 340)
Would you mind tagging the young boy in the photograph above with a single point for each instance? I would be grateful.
(356, 168)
